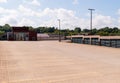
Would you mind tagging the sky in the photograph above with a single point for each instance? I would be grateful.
(72, 13)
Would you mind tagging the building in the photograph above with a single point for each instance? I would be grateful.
(3, 36)
(45, 36)
(109, 41)
(21, 34)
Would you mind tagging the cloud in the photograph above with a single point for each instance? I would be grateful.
(51, 15)
(26, 22)
(25, 11)
(31, 2)
(7, 11)
(118, 17)
(103, 21)
(75, 2)
(8, 16)
(35, 2)
(3, 1)
(25, 16)
(8, 19)
(118, 12)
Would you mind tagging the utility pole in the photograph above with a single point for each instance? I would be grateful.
(59, 31)
(91, 10)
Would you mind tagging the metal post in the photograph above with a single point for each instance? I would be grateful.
(91, 20)
(59, 31)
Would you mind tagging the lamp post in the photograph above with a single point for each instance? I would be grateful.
(91, 20)
(59, 31)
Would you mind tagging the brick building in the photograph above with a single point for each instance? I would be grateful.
(21, 34)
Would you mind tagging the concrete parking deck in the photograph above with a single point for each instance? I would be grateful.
(54, 62)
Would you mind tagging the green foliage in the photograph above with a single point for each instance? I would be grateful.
(86, 31)
(106, 31)
(102, 33)
(77, 30)
(6, 28)
(2, 32)
(94, 31)
(30, 28)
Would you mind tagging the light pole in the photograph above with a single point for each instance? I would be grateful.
(91, 20)
(59, 31)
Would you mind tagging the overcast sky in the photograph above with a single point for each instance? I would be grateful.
(72, 13)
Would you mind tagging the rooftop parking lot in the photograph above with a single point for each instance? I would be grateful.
(54, 62)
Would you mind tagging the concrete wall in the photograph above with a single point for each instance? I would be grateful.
(108, 41)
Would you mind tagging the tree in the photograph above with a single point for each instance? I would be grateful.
(50, 30)
(102, 33)
(77, 30)
(2, 32)
(86, 30)
(7, 28)
(41, 30)
(31, 28)
(115, 30)
(94, 31)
